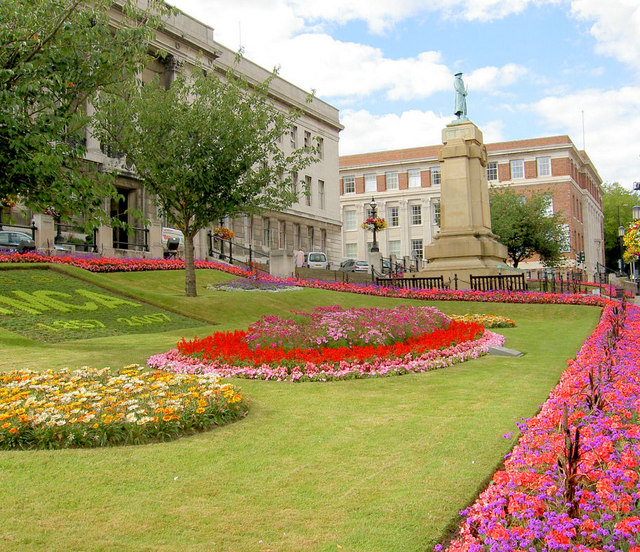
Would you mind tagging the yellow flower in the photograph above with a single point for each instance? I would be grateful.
(5, 426)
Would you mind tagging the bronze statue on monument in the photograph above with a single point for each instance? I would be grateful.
(465, 244)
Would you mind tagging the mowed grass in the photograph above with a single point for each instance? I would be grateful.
(361, 465)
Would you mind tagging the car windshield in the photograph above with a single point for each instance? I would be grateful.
(317, 258)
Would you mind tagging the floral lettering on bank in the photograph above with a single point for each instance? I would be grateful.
(40, 301)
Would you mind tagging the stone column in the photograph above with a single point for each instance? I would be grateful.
(465, 244)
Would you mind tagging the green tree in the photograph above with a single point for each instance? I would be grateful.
(55, 55)
(207, 148)
(524, 225)
(617, 203)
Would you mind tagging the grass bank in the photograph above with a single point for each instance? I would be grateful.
(365, 465)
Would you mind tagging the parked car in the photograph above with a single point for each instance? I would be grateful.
(16, 241)
(352, 265)
(316, 259)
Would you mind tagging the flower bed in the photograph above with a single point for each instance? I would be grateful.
(487, 320)
(254, 282)
(332, 344)
(91, 408)
(110, 264)
(572, 481)
(335, 327)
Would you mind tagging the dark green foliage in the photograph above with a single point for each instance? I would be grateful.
(617, 204)
(525, 227)
(207, 148)
(54, 56)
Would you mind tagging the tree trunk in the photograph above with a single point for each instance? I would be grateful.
(189, 267)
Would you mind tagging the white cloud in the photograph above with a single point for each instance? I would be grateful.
(616, 27)
(366, 132)
(492, 78)
(343, 69)
(612, 120)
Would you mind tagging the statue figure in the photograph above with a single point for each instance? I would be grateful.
(461, 98)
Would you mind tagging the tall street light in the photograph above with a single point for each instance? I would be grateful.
(374, 214)
(620, 236)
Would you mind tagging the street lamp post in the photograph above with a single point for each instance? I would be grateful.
(620, 236)
(374, 214)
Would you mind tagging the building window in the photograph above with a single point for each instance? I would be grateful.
(416, 249)
(414, 178)
(307, 139)
(308, 190)
(349, 184)
(435, 176)
(294, 182)
(394, 216)
(293, 136)
(392, 180)
(350, 250)
(323, 240)
(321, 193)
(544, 166)
(350, 222)
(416, 214)
(492, 172)
(266, 232)
(297, 236)
(311, 235)
(435, 213)
(320, 143)
(370, 184)
(394, 247)
(549, 210)
(283, 234)
(517, 169)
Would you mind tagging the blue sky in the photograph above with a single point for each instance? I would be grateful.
(533, 67)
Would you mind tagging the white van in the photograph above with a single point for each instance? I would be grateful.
(317, 259)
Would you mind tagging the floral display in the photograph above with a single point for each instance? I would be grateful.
(254, 282)
(112, 264)
(487, 320)
(376, 223)
(631, 242)
(91, 408)
(337, 327)
(332, 343)
(223, 233)
(572, 482)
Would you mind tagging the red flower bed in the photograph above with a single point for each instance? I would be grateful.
(232, 347)
(110, 264)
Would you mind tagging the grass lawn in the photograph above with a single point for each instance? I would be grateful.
(362, 465)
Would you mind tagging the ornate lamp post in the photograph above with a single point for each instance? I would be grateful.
(374, 215)
(620, 236)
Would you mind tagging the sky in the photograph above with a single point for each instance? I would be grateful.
(532, 67)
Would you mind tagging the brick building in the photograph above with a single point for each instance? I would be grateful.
(406, 186)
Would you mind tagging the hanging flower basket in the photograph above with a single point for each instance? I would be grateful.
(223, 233)
(374, 223)
(631, 242)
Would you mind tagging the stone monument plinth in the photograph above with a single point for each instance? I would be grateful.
(465, 244)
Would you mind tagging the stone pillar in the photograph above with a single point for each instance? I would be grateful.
(156, 248)
(104, 241)
(45, 233)
(281, 263)
(465, 244)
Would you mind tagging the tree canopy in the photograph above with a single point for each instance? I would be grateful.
(617, 204)
(526, 226)
(207, 147)
(55, 55)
